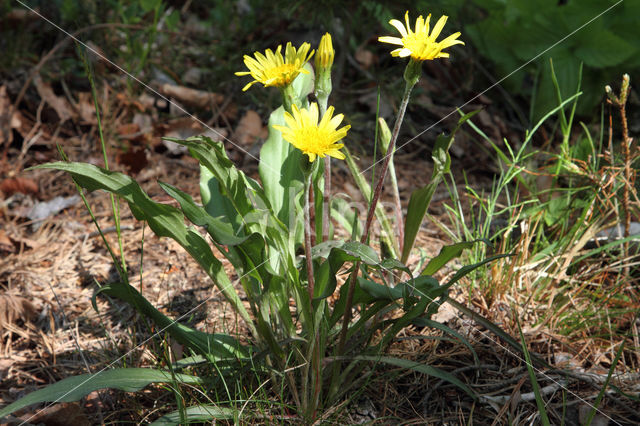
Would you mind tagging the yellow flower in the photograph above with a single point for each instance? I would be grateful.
(312, 138)
(325, 55)
(271, 69)
(419, 44)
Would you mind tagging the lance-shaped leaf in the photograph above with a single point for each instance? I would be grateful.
(74, 388)
(163, 219)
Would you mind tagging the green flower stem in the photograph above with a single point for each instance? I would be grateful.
(386, 139)
(289, 98)
(326, 196)
(323, 89)
(410, 82)
(307, 170)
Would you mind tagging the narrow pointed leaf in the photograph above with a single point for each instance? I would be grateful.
(74, 388)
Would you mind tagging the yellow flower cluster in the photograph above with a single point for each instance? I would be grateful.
(420, 44)
(319, 136)
(312, 137)
(271, 69)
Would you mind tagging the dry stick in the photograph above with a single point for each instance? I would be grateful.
(626, 144)
(621, 103)
(370, 213)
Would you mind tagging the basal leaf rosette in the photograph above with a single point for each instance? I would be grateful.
(272, 69)
(313, 136)
(421, 45)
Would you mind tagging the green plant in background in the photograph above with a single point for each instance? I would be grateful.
(514, 32)
(262, 227)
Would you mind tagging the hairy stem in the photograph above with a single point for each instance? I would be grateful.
(307, 236)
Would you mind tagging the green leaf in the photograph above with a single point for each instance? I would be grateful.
(215, 203)
(163, 219)
(149, 5)
(280, 173)
(421, 198)
(422, 286)
(340, 253)
(603, 49)
(221, 232)
(74, 388)
(447, 253)
(420, 368)
(542, 409)
(213, 346)
(197, 414)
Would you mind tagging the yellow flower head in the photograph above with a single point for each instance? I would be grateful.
(325, 55)
(419, 44)
(271, 69)
(312, 137)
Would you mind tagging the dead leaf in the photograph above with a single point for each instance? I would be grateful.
(186, 95)
(14, 308)
(59, 104)
(249, 129)
(86, 108)
(135, 159)
(61, 414)
(21, 185)
(128, 129)
(6, 244)
(365, 57)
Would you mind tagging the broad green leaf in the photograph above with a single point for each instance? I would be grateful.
(421, 368)
(233, 185)
(421, 286)
(221, 232)
(447, 253)
(163, 219)
(466, 269)
(250, 249)
(280, 173)
(420, 198)
(74, 388)
(344, 213)
(149, 5)
(603, 49)
(197, 414)
(215, 203)
(212, 346)
(340, 253)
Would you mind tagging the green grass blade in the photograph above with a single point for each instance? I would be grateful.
(197, 414)
(421, 368)
(544, 418)
(76, 387)
(598, 400)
